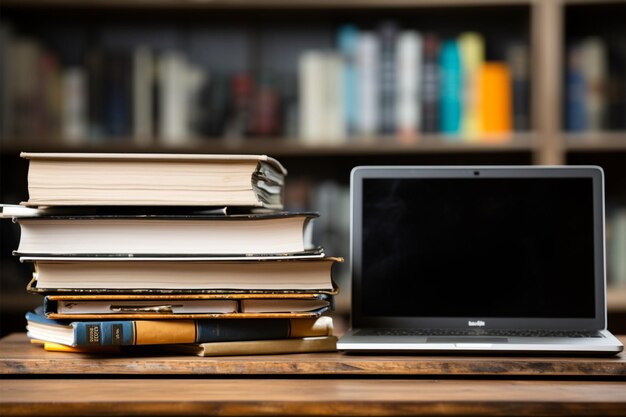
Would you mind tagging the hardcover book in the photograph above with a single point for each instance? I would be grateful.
(157, 332)
(252, 273)
(107, 179)
(185, 306)
(259, 347)
(182, 235)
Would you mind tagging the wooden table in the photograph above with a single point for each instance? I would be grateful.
(35, 382)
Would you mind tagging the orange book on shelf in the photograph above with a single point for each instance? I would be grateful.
(495, 102)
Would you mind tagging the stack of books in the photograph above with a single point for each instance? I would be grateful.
(185, 250)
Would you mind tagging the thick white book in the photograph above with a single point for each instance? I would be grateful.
(125, 179)
(183, 235)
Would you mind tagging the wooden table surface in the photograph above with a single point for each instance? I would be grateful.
(35, 382)
(19, 357)
(373, 397)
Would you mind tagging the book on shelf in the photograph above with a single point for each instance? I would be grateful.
(367, 61)
(409, 68)
(496, 103)
(258, 347)
(185, 306)
(101, 179)
(158, 332)
(450, 102)
(472, 50)
(387, 76)
(183, 235)
(431, 82)
(586, 93)
(200, 273)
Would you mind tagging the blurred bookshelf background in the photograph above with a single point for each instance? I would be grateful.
(321, 85)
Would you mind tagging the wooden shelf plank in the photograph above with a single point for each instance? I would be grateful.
(287, 147)
(595, 141)
(255, 4)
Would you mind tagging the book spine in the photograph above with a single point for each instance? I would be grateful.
(348, 40)
(430, 85)
(104, 333)
(367, 73)
(408, 94)
(387, 77)
(496, 100)
(450, 91)
(156, 332)
(142, 95)
(472, 49)
(575, 114)
(518, 61)
(74, 104)
(595, 74)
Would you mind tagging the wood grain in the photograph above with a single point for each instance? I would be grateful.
(308, 397)
(19, 357)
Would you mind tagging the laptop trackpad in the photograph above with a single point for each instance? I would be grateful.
(466, 339)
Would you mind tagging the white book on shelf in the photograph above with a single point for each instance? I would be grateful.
(408, 66)
(74, 105)
(143, 77)
(335, 123)
(311, 79)
(367, 69)
(173, 90)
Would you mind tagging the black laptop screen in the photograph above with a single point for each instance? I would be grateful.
(478, 247)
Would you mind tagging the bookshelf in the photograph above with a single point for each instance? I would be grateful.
(262, 35)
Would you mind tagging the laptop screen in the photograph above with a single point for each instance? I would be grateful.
(477, 247)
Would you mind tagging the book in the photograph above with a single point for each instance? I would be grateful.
(321, 97)
(184, 235)
(518, 60)
(574, 108)
(593, 59)
(143, 80)
(192, 306)
(250, 273)
(496, 107)
(472, 49)
(430, 84)
(450, 109)
(75, 127)
(105, 179)
(368, 51)
(387, 34)
(158, 332)
(258, 347)
(409, 68)
(348, 42)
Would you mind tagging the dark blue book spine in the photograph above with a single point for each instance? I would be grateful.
(129, 332)
(104, 333)
(222, 330)
(575, 109)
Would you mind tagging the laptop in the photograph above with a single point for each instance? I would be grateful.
(478, 259)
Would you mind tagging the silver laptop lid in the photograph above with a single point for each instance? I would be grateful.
(488, 247)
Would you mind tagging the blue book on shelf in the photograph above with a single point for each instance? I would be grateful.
(575, 92)
(450, 88)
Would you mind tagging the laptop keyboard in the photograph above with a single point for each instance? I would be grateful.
(476, 332)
